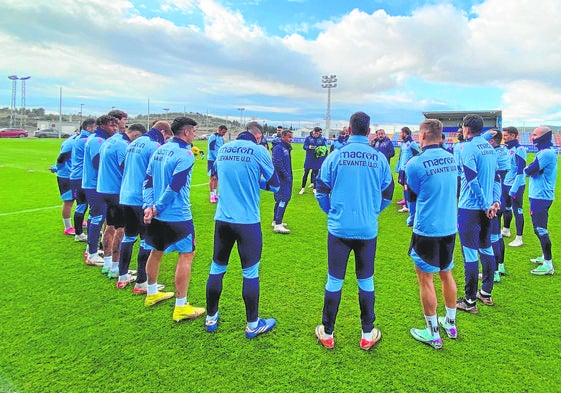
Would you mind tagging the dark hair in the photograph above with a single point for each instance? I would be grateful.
(474, 123)
(137, 127)
(406, 130)
(88, 123)
(179, 124)
(223, 127)
(511, 130)
(105, 119)
(317, 129)
(118, 114)
(360, 123)
(284, 132)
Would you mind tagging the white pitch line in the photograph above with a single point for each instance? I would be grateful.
(29, 211)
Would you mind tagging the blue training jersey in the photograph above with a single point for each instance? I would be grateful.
(137, 158)
(168, 181)
(517, 162)
(431, 177)
(543, 175)
(243, 167)
(77, 158)
(408, 149)
(351, 186)
(91, 158)
(111, 162)
(479, 165)
(64, 160)
(215, 142)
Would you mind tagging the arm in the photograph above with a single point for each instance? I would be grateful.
(533, 169)
(519, 179)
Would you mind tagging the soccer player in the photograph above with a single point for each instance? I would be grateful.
(243, 167)
(106, 127)
(514, 185)
(355, 183)
(408, 148)
(316, 149)
(478, 204)
(431, 183)
(111, 163)
(136, 162)
(167, 212)
(277, 139)
(215, 142)
(62, 169)
(76, 171)
(282, 162)
(543, 176)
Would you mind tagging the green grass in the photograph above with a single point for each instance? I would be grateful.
(65, 328)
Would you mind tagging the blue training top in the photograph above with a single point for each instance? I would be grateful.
(168, 181)
(137, 158)
(432, 178)
(77, 165)
(517, 162)
(215, 142)
(64, 159)
(91, 158)
(112, 159)
(354, 185)
(243, 167)
(408, 149)
(479, 166)
(543, 171)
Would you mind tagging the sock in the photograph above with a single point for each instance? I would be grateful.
(366, 336)
(124, 278)
(253, 325)
(152, 289)
(432, 325)
(484, 293)
(451, 315)
(212, 317)
(548, 263)
(181, 301)
(66, 222)
(114, 266)
(107, 261)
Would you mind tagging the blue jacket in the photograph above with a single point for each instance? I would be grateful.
(354, 185)
(311, 161)
(384, 146)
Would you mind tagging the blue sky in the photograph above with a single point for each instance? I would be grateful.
(393, 59)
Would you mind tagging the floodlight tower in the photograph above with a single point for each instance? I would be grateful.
(22, 120)
(328, 82)
(14, 79)
(241, 116)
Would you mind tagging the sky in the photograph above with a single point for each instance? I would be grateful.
(392, 59)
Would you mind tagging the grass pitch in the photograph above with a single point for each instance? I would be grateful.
(66, 328)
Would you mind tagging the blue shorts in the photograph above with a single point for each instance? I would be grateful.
(65, 188)
(210, 168)
(170, 236)
(78, 192)
(432, 254)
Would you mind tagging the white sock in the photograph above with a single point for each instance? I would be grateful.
(367, 336)
(124, 278)
(432, 325)
(152, 289)
(181, 301)
(67, 223)
(548, 263)
(107, 261)
(114, 266)
(451, 315)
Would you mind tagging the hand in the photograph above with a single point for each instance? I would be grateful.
(149, 213)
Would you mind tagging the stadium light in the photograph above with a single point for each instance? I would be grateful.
(328, 82)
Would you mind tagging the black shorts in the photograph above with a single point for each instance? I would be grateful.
(115, 212)
(432, 254)
(134, 221)
(171, 236)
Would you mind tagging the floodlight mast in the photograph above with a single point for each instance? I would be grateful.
(328, 82)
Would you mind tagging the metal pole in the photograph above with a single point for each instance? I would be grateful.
(81, 114)
(328, 82)
(14, 79)
(23, 116)
(60, 114)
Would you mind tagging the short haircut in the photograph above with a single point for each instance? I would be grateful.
(284, 132)
(511, 130)
(119, 114)
(162, 125)
(406, 130)
(179, 124)
(498, 137)
(253, 126)
(88, 123)
(223, 127)
(360, 123)
(279, 127)
(317, 129)
(104, 120)
(474, 123)
(137, 127)
(433, 129)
